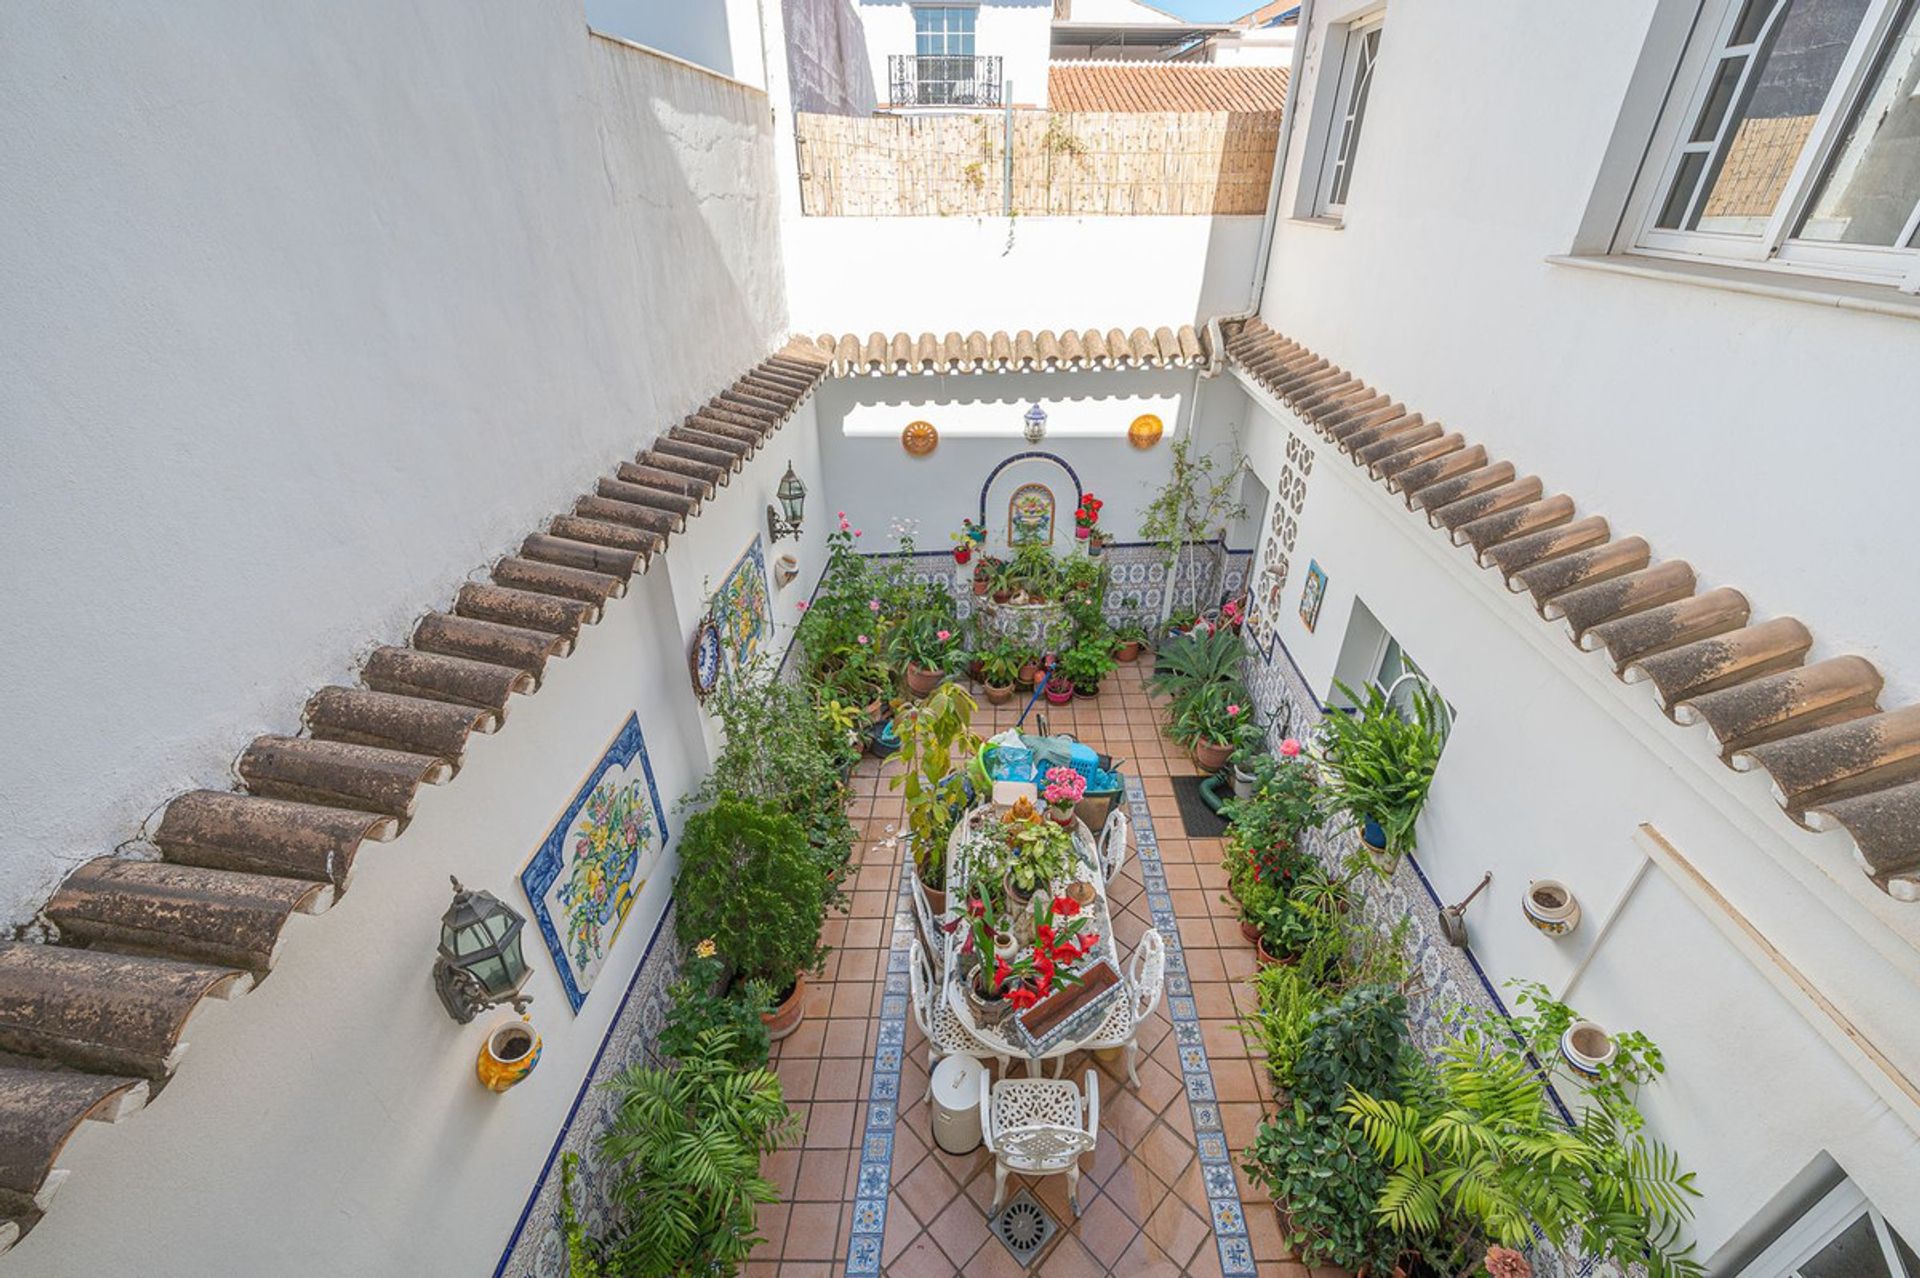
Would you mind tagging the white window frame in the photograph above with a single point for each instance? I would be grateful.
(1818, 1226)
(1345, 120)
(1773, 248)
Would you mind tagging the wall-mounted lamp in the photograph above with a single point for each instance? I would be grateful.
(1036, 424)
(784, 521)
(480, 962)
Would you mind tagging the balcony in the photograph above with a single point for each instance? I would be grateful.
(943, 80)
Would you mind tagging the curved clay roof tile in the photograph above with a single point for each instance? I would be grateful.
(1885, 827)
(953, 354)
(978, 352)
(1669, 626)
(1588, 606)
(1026, 353)
(900, 353)
(1166, 346)
(1721, 661)
(1095, 344)
(1141, 345)
(1190, 347)
(1776, 705)
(1840, 761)
(926, 353)
(874, 355)
(1001, 349)
(1071, 353)
(846, 354)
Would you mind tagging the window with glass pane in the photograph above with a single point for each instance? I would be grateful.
(1356, 80)
(1842, 1236)
(1800, 141)
(943, 30)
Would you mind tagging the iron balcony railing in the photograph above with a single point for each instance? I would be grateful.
(932, 79)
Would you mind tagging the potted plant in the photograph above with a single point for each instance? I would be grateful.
(1033, 670)
(931, 734)
(1086, 515)
(749, 882)
(1064, 789)
(1086, 663)
(1128, 640)
(970, 537)
(682, 1215)
(1002, 584)
(1193, 506)
(999, 667)
(1039, 853)
(930, 649)
(1207, 721)
(983, 570)
(1381, 765)
(1059, 689)
(1033, 572)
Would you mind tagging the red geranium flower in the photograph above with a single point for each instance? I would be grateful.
(1065, 906)
(1022, 998)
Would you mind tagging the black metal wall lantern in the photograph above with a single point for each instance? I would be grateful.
(480, 962)
(784, 521)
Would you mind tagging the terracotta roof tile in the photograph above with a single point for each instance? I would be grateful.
(1164, 86)
(1000, 352)
(1836, 758)
(85, 1021)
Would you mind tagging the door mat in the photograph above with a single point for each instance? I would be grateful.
(1196, 818)
(1023, 1226)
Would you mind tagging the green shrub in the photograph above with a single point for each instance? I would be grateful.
(1326, 1179)
(750, 883)
(697, 1005)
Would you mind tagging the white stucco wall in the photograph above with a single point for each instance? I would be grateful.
(1551, 767)
(851, 274)
(313, 310)
(1018, 32)
(1748, 435)
(876, 481)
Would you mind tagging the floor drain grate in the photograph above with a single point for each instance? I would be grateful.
(1024, 1226)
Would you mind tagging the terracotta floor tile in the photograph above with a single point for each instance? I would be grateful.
(1178, 1231)
(1159, 1085)
(822, 1175)
(1166, 1152)
(1206, 1261)
(771, 1220)
(830, 1125)
(922, 1258)
(1263, 1229)
(1105, 1230)
(806, 1269)
(813, 1232)
(960, 1230)
(1240, 1119)
(927, 1190)
(846, 1037)
(1069, 1258)
(1236, 1080)
(796, 1074)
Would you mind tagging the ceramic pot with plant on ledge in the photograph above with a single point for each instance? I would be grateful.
(511, 1050)
(785, 1019)
(1551, 907)
(1212, 755)
(998, 694)
(921, 680)
(963, 552)
(1128, 651)
(1059, 691)
(1587, 1048)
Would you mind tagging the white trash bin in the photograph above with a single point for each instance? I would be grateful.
(956, 1104)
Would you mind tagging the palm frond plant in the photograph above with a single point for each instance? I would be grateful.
(1195, 661)
(1380, 763)
(684, 1152)
(1475, 1150)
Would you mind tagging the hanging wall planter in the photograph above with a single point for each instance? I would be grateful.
(1551, 907)
(1587, 1048)
(511, 1050)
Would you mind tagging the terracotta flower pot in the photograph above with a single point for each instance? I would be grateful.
(980, 585)
(920, 680)
(1212, 755)
(1030, 673)
(999, 693)
(936, 899)
(876, 710)
(1268, 958)
(511, 1050)
(1249, 932)
(1128, 651)
(785, 1019)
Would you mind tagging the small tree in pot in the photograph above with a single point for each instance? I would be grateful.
(750, 882)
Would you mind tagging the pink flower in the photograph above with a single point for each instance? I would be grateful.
(1233, 709)
(844, 525)
(943, 635)
(1289, 747)
(856, 532)
(873, 605)
(802, 605)
(843, 514)
(861, 638)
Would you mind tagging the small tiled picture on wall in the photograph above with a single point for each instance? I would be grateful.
(1312, 593)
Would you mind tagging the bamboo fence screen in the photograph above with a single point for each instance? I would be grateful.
(1065, 164)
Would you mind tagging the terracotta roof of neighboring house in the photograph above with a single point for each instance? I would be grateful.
(91, 1025)
(1266, 13)
(1164, 86)
(1001, 352)
(1836, 757)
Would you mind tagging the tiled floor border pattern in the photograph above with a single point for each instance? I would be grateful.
(1225, 1211)
(869, 1224)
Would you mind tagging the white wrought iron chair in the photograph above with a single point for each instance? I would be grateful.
(1114, 836)
(1039, 1127)
(1146, 980)
(945, 1034)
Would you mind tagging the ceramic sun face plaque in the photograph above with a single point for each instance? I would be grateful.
(919, 438)
(591, 867)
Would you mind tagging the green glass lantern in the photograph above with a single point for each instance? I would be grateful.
(480, 962)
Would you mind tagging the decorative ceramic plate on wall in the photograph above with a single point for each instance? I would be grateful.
(919, 438)
(703, 661)
(1145, 431)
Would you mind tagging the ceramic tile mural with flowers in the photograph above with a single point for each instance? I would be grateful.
(590, 869)
(742, 609)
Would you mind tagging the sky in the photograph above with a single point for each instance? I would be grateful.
(1205, 10)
